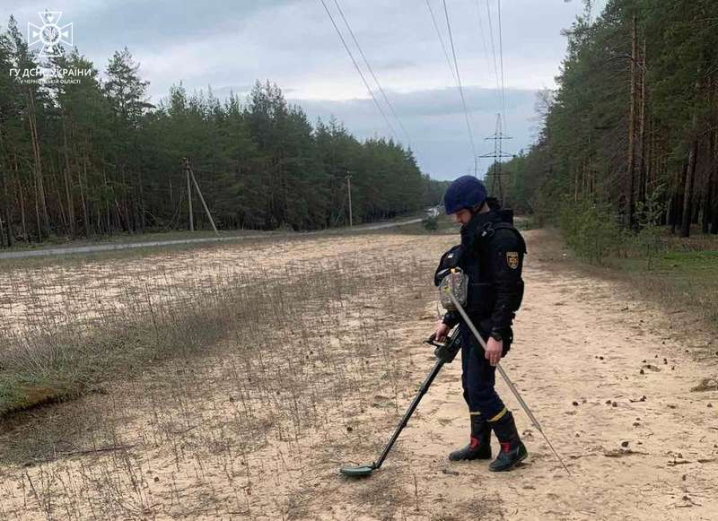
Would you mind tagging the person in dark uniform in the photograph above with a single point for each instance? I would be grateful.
(491, 254)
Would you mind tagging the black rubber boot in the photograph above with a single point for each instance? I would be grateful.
(479, 446)
(513, 451)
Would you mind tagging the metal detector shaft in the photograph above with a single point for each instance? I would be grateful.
(414, 404)
(506, 378)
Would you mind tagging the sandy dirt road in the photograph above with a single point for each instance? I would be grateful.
(606, 373)
(69, 250)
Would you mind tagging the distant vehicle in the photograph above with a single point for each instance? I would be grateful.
(432, 212)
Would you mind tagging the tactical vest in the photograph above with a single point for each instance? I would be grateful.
(471, 258)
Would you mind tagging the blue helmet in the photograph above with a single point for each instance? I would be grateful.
(464, 192)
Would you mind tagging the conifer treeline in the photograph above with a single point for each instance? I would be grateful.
(633, 125)
(93, 157)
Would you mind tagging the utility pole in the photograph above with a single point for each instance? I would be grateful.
(190, 174)
(495, 176)
(189, 194)
(349, 191)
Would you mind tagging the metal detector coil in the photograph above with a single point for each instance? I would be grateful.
(445, 353)
(455, 283)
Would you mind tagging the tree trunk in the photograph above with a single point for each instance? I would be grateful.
(709, 195)
(108, 210)
(642, 131)
(677, 199)
(125, 203)
(68, 183)
(124, 221)
(43, 220)
(714, 190)
(83, 200)
(8, 213)
(141, 205)
(2, 232)
(575, 185)
(56, 186)
(632, 125)
(688, 191)
(6, 179)
(21, 200)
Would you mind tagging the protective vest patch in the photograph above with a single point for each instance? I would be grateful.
(512, 258)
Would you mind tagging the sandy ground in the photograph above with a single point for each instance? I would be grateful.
(611, 385)
(607, 374)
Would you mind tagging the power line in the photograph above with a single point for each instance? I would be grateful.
(499, 83)
(493, 45)
(371, 71)
(438, 33)
(458, 80)
(486, 50)
(356, 65)
(501, 55)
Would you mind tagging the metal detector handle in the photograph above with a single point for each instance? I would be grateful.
(447, 350)
(432, 341)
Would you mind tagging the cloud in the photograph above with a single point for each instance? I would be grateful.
(393, 64)
(434, 119)
(229, 44)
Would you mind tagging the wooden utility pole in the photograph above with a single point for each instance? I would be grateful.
(189, 194)
(349, 191)
(190, 175)
(201, 198)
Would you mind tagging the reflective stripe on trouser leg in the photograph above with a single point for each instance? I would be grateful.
(499, 416)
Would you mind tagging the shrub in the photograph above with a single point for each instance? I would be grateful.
(590, 229)
(649, 215)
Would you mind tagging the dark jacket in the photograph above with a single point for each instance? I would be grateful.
(492, 255)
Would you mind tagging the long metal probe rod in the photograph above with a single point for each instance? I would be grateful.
(506, 378)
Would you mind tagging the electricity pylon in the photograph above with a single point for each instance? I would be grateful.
(494, 177)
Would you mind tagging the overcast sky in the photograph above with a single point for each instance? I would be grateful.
(229, 44)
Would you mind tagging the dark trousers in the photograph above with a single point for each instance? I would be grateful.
(478, 378)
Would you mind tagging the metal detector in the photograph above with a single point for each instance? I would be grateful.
(445, 354)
